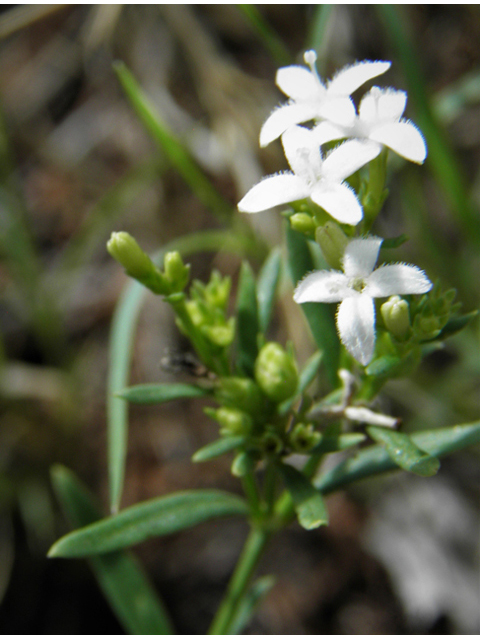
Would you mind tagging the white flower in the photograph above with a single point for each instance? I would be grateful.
(380, 120)
(356, 288)
(311, 99)
(315, 177)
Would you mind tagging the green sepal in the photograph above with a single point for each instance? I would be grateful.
(160, 393)
(153, 518)
(404, 452)
(218, 448)
(307, 500)
(247, 320)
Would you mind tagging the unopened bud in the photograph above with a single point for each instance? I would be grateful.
(332, 241)
(238, 392)
(396, 316)
(176, 272)
(242, 464)
(276, 372)
(303, 223)
(220, 335)
(232, 421)
(303, 438)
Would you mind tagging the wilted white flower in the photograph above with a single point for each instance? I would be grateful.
(380, 120)
(311, 99)
(356, 288)
(315, 177)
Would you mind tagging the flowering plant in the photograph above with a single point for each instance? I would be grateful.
(270, 413)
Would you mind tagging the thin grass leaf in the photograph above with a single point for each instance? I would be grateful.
(218, 448)
(267, 283)
(270, 39)
(404, 452)
(119, 575)
(247, 320)
(250, 602)
(176, 152)
(374, 460)
(319, 316)
(153, 518)
(317, 38)
(440, 157)
(160, 393)
(307, 500)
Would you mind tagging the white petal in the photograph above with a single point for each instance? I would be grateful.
(272, 191)
(303, 152)
(356, 327)
(323, 286)
(348, 157)
(338, 110)
(382, 105)
(327, 131)
(299, 83)
(402, 137)
(348, 79)
(393, 279)
(360, 256)
(339, 200)
(284, 117)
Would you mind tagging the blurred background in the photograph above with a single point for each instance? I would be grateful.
(402, 554)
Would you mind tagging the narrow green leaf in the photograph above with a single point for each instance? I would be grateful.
(270, 39)
(307, 500)
(156, 517)
(119, 575)
(247, 320)
(218, 448)
(320, 317)
(159, 393)
(456, 324)
(328, 444)
(177, 153)
(267, 282)
(384, 367)
(394, 243)
(306, 378)
(250, 602)
(374, 460)
(404, 452)
(317, 37)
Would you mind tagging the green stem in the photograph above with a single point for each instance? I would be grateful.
(240, 580)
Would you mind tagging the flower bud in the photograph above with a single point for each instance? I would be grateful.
(232, 421)
(276, 372)
(242, 464)
(242, 393)
(303, 437)
(220, 335)
(396, 316)
(176, 272)
(332, 242)
(303, 223)
(125, 250)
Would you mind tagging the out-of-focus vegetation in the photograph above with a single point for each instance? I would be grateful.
(76, 162)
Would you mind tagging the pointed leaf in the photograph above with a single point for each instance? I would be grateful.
(320, 317)
(307, 500)
(247, 321)
(157, 517)
(306, 378)
(250, 602)
(119, 575)
(374, 460)
(328, 444)
(267, 282)
(159, 393)
(456, 324)
(404, 452)
(218, 448)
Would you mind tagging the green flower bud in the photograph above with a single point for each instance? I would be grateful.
(232, 421)
(176, 272)
(303, 437)
(217, 291)
(125, 250)
(220, 335)
(303, 223)
(242, 393)
(332, 242)
(242, 464)
(426, 327)
(271, 442)
(396, 316)
(276, 372)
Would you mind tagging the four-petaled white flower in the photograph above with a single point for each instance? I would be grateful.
(356, 288)
(311, 99)
(321, 179)
(379, 120)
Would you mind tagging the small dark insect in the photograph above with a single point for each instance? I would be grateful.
(184, 363)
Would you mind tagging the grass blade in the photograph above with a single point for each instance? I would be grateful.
(266, 34)
(247, 320)
(267, 283)
(119, 575)
(160, 393)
